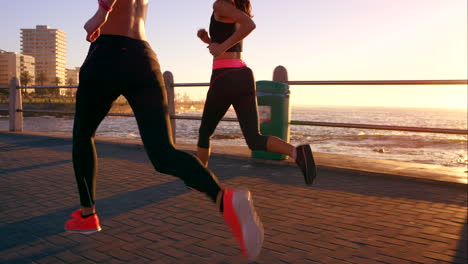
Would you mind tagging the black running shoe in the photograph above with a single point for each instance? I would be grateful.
(306, 162)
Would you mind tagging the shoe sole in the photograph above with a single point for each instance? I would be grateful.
(310, 168)
(251, 226)
(84, 232)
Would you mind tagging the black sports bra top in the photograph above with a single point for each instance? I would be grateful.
(220, 31)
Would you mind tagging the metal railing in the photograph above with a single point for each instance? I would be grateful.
(280, 75)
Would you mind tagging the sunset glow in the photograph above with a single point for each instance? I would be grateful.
(314, 40)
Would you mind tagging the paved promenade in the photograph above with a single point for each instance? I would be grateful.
(400, 214)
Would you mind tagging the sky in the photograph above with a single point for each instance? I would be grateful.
(313, 39)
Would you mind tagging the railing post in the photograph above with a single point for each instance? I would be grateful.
(280, 74)
(169, 83)
(15, 104)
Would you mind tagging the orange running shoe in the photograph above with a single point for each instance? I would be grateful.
(239, 214)
(78, 224)
(76, 213)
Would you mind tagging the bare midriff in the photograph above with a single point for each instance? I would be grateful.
(127, 19)
(229, 55)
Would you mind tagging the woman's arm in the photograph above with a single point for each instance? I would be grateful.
(94, 24)
(227, 11)
(203, 35)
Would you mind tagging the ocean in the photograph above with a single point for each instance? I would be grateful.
(426, 148)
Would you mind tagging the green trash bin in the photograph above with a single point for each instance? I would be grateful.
(274, 114)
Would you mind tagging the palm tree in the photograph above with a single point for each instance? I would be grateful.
(41, 78)
(57, 81)
(25, 79)
(70, 82)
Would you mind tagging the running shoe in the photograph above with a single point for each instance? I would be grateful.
(78, 224)
(240, 215)
(76, 213)
(305, 161)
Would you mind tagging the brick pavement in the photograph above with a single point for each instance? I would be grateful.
(150, 217)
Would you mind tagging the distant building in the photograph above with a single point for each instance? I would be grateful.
(72, 79)
(48, 47)
(28, 64)
(72, 76)
(13, 64)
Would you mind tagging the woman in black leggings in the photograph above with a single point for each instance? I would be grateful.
(121, 62)
(233, 83)
(119, 65)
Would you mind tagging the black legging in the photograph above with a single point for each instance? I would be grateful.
(236, 87)
(115, 66)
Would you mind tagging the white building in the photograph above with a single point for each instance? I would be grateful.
(72, 76)
(48, 47)
(72, 79)
(13, 64)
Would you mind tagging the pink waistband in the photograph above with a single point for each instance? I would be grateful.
(228, 63)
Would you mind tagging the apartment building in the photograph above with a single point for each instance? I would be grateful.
(14, 64)
(72, 76)
(72, 79)
(48, 47)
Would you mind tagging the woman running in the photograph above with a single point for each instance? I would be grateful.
(121, 62)
(232, 83)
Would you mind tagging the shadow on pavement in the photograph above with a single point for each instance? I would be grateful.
(29, 230)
